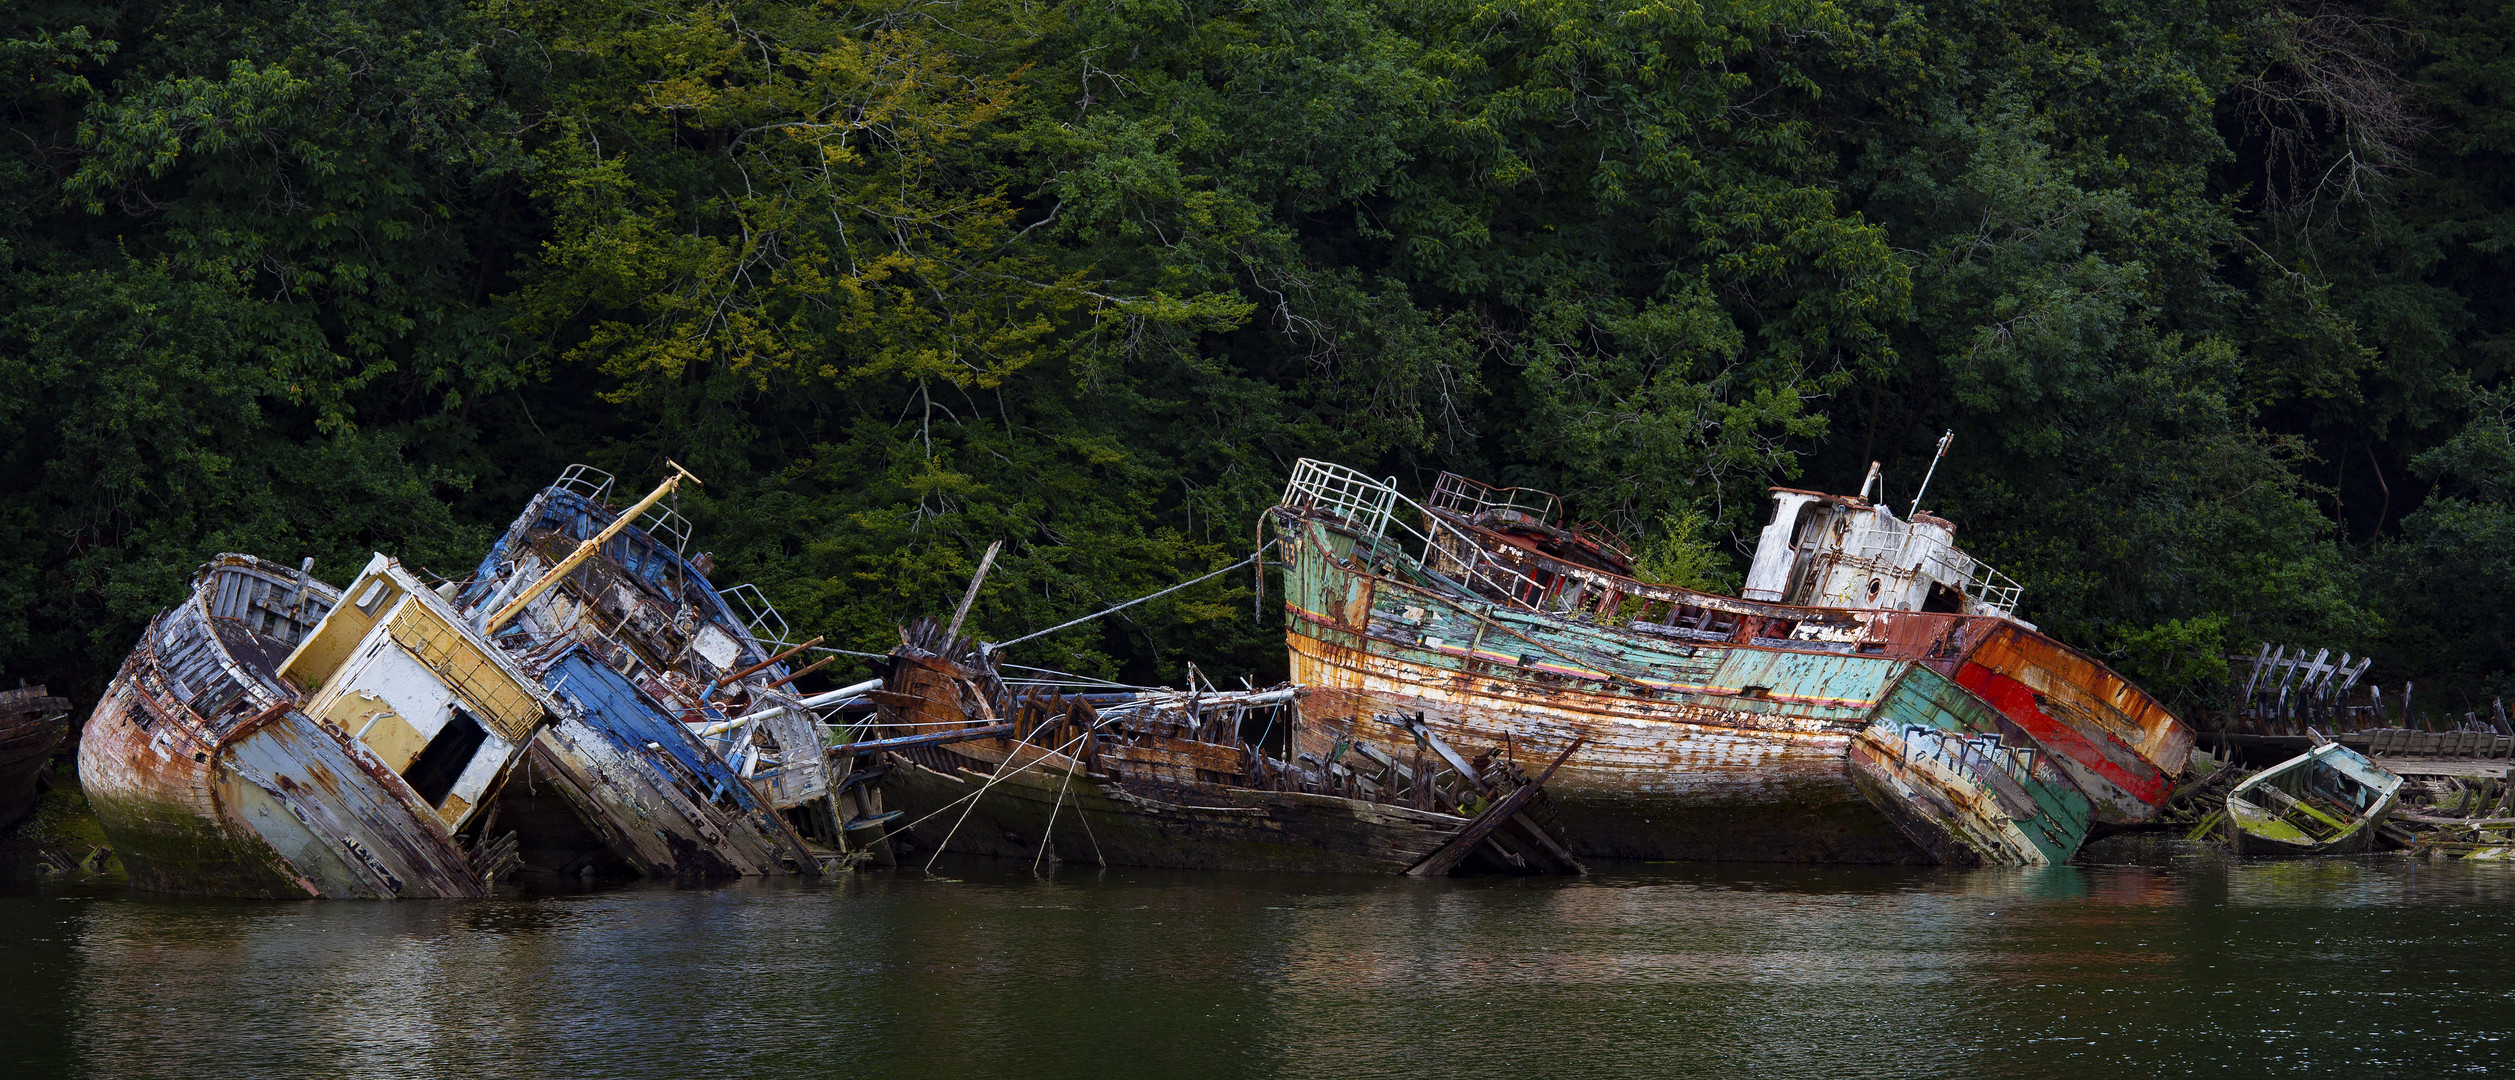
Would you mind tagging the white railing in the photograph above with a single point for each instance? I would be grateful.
(1467, 498)
(586, 480)
(1369, 507)
(1361, 503)
(1941, 563)
(758, 615)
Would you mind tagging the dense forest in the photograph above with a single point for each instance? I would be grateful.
(2214, 297)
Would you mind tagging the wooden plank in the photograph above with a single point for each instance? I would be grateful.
(1179, 754)
(1447, 858)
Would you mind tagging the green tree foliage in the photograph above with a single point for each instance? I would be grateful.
(2205, 292)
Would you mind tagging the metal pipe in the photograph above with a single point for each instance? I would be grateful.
(761, 666)
(930, 739)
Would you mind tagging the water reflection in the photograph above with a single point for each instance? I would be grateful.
(2172, 964)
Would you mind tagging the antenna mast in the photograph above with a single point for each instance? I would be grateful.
(1934, 471)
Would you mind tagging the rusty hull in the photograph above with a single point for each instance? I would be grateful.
(1657, 780)
(250, 798)
(650, 653)
(2123, 748)
(2121, 745)
(1935, 761)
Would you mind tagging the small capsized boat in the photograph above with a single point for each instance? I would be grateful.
(2327, 801)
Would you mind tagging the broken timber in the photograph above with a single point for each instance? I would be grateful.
(1172, 779)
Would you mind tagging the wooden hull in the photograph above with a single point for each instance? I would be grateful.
(1694, 750)
(2120, 746)
(286, 810)
(2247, 843)
(668, 806)
(1167, 782)
(1933, 760)
(210, 782)
(1656, 780)
(2338, 802)
(31, 728)
(1194, 827)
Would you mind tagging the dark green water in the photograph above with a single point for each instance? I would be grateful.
(2366, 967)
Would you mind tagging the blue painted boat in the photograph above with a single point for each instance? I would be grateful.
(680, 756)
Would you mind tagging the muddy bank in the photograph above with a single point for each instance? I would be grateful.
(61, 837)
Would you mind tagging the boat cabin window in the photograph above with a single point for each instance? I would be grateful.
(432, 774)
(377, 594)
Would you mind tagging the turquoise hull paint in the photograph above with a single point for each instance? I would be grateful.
(1934, 758)
(1698, 748)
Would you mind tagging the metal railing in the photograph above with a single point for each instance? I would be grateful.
(1945, 565)
(1467, 498)
(1369, 507)
(758, 616)
(592, 483)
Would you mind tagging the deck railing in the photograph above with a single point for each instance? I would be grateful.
(1468, 498)
(1369, 507)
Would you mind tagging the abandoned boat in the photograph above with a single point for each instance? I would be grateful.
(1181, 779)
(1836, 573)
(1936, 762)
(681, 752)
(1718, 738)
(2327, 801)
(266, 739)
(32, 725)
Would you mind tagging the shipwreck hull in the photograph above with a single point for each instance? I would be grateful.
(1193, 827)
(674, 808)
(2120, 746)
(155, 799)
(650, 655)
(2330, 800)
(209, 781)
(1178, 780)
(1656, 780)
(32, 726)
(1934, 760)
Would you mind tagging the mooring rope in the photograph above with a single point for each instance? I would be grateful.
(1253, 557)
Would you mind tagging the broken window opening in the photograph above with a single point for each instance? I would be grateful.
(432, 774)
